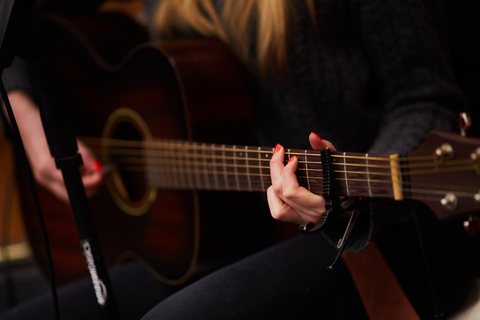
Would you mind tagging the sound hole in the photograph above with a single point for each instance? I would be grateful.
(129, 163)
(127, 182)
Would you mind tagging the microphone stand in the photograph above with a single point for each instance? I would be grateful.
(21, 34)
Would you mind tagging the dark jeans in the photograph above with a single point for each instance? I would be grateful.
(286, 281)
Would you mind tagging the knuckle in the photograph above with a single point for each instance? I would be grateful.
(277, 188)
(290, 193)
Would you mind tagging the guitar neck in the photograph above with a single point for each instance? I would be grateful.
(447, 181)
(195, 166)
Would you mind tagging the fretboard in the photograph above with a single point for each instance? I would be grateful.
(196, 166)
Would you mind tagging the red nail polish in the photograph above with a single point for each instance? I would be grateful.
(318, 136)
(277, 148)
(292, 158)
(97, 165)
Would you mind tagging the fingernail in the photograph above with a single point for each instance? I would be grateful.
(277, 148)
(292, 158)
(318, 136)
(97, 165)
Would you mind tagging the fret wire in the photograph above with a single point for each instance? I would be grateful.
(175, 161)
(166, 174)
(171, 170)
(260, 168)
(368, 176)
(196, 171)
(225, 168)
(181, 173)
(170, 173)
(248, 171)
(235, 167)
(215, 172)
(306, 170)
(190, 179)
(346, 179)
(205, 168)
(168, 177)
(176, 175)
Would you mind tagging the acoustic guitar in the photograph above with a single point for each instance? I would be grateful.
(119, 87)
(146, 117)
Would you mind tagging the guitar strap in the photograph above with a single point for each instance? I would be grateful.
(381, 294)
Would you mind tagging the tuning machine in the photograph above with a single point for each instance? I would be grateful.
(444, 152)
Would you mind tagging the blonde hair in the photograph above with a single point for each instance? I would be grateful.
(237, 24)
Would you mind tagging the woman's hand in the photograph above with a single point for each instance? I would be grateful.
(38, 152)
(287, 200)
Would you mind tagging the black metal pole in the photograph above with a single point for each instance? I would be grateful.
(21, 34)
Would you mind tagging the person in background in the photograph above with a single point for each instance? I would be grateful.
(368, 76)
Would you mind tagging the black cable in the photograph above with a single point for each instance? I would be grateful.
(18, 142)
(6, 210)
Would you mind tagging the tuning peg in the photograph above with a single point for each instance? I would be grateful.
(465, 123)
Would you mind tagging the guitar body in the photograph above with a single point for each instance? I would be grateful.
(183, 90)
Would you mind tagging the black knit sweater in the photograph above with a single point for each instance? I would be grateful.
(371, 77)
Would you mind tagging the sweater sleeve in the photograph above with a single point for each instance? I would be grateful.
(16, 77)
(412, 75)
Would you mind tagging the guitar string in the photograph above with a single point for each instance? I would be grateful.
(452, 166)
(211, 171)
(186, 163)
(157, 145)
(421, 192)
(204, 156)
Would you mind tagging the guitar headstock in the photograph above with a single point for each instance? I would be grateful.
(444, 173)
